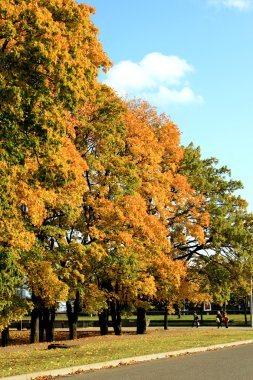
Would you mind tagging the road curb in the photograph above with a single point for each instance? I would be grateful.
(116, 363)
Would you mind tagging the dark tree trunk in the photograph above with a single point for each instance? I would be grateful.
(165, 319)
(34, 334)
(72, 313)
(41, 324)
(116, 317)
(46, 327)
(5, 337)
(49, 318)
(179, 312)
(245, 310)
(103, 322)
(141, 321)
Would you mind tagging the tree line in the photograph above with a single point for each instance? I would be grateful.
(100, 204)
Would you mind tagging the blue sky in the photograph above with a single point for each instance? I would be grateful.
(193, 60)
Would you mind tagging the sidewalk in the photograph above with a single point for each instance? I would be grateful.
(115, 363)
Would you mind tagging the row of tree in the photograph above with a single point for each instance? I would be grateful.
(100, 205)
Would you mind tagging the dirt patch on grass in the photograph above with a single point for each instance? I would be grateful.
(21, 339)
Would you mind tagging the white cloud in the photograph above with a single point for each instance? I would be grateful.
(165, 96)
(236, 4)
(158, 78)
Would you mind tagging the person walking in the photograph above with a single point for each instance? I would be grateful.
(219, 319)
(195, 320)
(225, 320)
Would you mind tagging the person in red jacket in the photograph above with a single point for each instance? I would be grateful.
(225, 319)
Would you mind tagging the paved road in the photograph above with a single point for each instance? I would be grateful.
(226, 364)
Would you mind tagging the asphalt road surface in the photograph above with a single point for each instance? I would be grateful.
(234, 363)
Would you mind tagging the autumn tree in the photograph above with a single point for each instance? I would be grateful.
(111, 179)
(124, 151)
(153, 141)
(50, 57)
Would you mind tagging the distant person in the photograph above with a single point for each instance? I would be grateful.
(225, 319)
(219, 319)
(195, 320)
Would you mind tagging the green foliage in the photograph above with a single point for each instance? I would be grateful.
(230, 228)
(226, 256)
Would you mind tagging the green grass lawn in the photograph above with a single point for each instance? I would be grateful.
(237, 318)
(99, 349)
(186, 320)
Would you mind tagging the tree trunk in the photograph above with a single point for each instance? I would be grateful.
(34, 334)
(141, 321)
(116, 317)
(49, 318)
(46, 318)
(5, 337)
(245, 310)
(179, 312)
(71, 322)
(103, 322)
(72, 313)
(41, 324)
(165, 319)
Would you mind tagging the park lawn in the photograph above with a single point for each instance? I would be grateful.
(100, 349)
(237, 318)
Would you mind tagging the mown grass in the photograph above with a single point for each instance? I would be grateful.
(237, 318)
(100, 349)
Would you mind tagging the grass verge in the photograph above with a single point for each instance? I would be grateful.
(100, 349)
